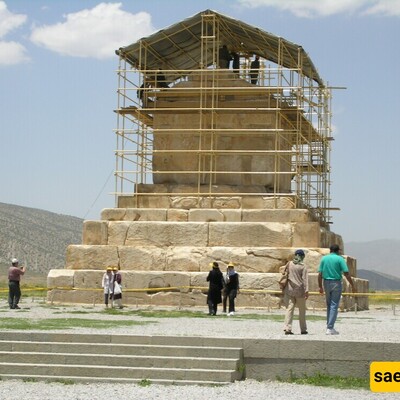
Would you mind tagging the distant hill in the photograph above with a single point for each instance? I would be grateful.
(377, 255)
(379, 281)
(37, 238)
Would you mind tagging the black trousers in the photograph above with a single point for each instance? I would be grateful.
(14, 293)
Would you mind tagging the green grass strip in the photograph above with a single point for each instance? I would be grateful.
(65, 323)
(337, 382)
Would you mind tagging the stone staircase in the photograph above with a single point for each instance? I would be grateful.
(117, 358)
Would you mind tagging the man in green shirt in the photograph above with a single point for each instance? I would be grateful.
(330, 271)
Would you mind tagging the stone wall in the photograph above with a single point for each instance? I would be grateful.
(240, 164)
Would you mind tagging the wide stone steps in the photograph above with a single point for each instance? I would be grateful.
(70, 357)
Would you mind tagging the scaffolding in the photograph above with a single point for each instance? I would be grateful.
(192, 125)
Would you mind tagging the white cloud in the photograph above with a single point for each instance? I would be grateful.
(8, 20)
(315, 8)
(96, 33)
(12, 53)
(388, 8)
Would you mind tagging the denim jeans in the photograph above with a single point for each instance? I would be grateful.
(333, 292)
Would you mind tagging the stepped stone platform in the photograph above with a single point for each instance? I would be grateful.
(163, 249)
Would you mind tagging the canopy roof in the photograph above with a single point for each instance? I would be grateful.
(179, 46)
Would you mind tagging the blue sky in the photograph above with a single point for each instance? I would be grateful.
(58, 92)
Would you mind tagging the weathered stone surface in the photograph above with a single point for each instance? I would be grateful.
(117, 232)
(61, 278)
(174, 281)
(142, 258)
(88, 279)
(187, 163)
(185, 203)
(184, 259)
(193, 258)
(166, 234)
(113, 214)
(95, 232)
(177, 215)
(232, 215)
(328, 238)
(186, 289)
(145, 214)
(91, 257)
(269, 234)
(283, 216)
(226, 202)
(200, 215)
(306, 234)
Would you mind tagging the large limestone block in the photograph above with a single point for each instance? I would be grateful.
(95, 232)
(185, 258)
(287, 215)
(257, 281)
(113, 214)
(328, 238)
(142, 258)
(166, 234)
(60, 278)
(149, 214)
(88, 279)
(232, 215)
(75, 297)
(91, 257)
(306, 234)
(133, 214)
(198, 281)
(117, 232)
(174, 281)
(233, 234)
(143, 201)
(177, 215)
(201, 215)
(268, 202)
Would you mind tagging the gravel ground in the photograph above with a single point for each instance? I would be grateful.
(375, 325)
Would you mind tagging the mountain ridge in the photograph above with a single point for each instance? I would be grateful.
(38, 238)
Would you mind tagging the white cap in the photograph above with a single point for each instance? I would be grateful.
(14, 261)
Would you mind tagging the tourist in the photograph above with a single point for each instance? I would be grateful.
(296, 292)
(254, 70)
(106, 284)
(330, 271)
(117, 288)
(14, 277)
(216, 283)
(232, 287)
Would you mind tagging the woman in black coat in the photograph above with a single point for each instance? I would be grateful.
(214, 292)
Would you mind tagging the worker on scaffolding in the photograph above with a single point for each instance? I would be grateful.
(254, 70)
(224, 57)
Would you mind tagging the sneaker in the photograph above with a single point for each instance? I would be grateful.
(332, 332)
(289, 333)
(231, 313)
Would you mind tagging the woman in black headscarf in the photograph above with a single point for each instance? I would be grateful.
(216, 281)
